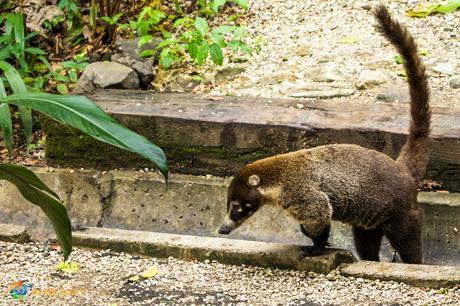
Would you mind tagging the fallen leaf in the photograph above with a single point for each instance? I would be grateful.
(134, 278)
(216, 98)
(150, 272)
(348, 40)
(69, 267)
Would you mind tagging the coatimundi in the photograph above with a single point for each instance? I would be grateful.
(349, 183)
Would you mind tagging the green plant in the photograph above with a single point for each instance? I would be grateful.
(14, 44)
(109, 13)
(147, 21)
(423, 10)
(17, 86)
(195, 38)
(70, 8)
(65, 75)
(80, 113)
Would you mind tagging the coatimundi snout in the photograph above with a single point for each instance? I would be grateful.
(349, 183)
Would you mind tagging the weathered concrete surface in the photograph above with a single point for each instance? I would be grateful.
(416, 275)
(441, 227)
(13, 233)
(195, 205)
(201, 135)
(227, 251)
(79, 190)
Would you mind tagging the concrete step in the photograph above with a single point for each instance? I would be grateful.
(415, 275)
(13, 233)
(243, 252)
(227, 251)
(195, 205)
(202, 135)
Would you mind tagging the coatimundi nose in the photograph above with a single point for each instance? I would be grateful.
(224, 230)
(228, 226)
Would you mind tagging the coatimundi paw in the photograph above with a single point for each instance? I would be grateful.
(311, 250)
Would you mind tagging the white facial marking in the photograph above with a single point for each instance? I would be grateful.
(229, 223)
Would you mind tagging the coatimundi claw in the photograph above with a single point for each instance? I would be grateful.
(311, 250)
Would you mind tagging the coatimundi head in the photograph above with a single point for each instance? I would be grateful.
(243, 200)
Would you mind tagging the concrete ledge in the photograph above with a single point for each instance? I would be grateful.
(415, 275)
(227, 251)
(13, 233)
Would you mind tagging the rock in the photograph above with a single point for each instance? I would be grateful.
(327, 74)
(228, 74)
(394, 95)
(106, 75)
(175, 80)
(130, 47)
(371, 78)
(144, 68)
(455, 82)
(127, 53)
(381, 63)
(184, 83)
(447, 68)
(325, 93)
(38, 13)
(277, 78)
(302, 50)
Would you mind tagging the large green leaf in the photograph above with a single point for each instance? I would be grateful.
(18, 87)
(216, 54)
(35, 191)
(244, 4)
(216, 4)
(81, 113)
(5, 122)
(202, 52)
(202, 26)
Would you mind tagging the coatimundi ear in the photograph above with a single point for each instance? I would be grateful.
(254, 180)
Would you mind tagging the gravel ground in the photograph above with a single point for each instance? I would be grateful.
(323, 48)
(103, 280)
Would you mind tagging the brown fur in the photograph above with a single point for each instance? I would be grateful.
(349, 183)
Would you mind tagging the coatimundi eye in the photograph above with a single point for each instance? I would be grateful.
(248, 205)
(235, 204)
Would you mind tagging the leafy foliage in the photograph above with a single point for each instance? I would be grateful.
(35, 191)
(80, 113)
(193, 37)
(189, 35)
(33, 67)
(17, 86)
(426, 9)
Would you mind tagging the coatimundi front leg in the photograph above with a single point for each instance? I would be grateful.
(314, 213)
(319, 241)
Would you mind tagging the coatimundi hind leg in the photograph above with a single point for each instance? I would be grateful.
(405, 235)
(319, 241)
(367, 242)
